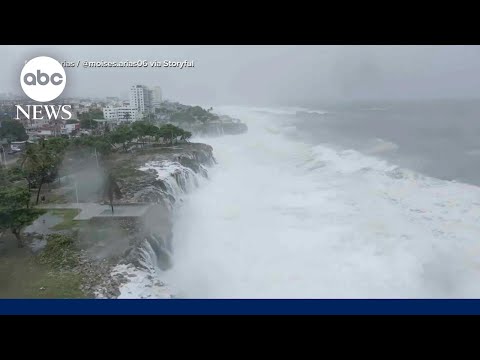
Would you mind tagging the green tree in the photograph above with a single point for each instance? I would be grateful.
(140, 129)
(4, 176)
(15, 213)
(122, 135)
(27, 162)
(186, 135)
(5, 112)
(170, 132)
(40, 163)
(144, 129)
(57, 145)
(11, 175)
(87, 119)
(12, 130)
(91, 114)
(102, 145)
(88, 124)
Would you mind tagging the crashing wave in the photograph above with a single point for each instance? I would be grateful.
(154, 253)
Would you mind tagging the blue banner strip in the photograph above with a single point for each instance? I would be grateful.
(240, 307)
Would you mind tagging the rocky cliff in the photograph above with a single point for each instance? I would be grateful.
(152, 175)
(160, 177)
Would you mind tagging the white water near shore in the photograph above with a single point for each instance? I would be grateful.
(282, 219)
(145, 282)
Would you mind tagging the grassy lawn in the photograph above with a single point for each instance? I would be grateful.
(51, 274)
(24, 277)
(54, 198)
(51, 197)
(68, 215)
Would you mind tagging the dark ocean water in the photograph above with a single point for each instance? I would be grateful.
(439, 138)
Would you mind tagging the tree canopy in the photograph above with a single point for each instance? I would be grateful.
(192, 114)
(87, 118)
(39, 163)
(12, 130)
(125, 134)
(88, 124)
(122, 135)
(171, 132)
(15, 212)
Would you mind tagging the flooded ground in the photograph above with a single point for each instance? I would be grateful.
(44, 224)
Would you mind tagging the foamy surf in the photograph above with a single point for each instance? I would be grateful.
(141, 283)
(282, 219)
(144, 279)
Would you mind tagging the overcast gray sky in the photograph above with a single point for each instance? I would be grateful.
(264, 75)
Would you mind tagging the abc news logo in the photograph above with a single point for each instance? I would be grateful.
(43, 79)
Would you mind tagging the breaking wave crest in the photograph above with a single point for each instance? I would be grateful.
(283, 219)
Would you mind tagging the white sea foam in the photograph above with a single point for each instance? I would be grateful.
(145, 282)
(141, 284)
(280, 219)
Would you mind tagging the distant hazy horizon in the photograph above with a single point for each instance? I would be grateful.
(264, 75)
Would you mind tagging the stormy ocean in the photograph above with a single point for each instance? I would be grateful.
(371, 200)
(376, 201)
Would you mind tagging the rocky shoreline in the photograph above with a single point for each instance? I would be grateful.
(159, 186)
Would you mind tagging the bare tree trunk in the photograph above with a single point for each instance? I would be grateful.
(38, 192)
(16, 232)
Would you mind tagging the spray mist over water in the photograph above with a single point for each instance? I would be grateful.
(283, 219)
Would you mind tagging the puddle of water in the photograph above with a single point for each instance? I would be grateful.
(43, 224)
(37, 244)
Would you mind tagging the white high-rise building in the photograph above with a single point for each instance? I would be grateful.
(143, 101)
(141, 98)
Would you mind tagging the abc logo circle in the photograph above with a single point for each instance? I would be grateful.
(43, 79)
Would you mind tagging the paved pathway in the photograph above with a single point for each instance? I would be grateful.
(89, 210)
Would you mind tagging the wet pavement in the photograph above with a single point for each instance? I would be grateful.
(91, 210)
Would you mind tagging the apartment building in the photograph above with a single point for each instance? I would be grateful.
(120, 113)
(143, 101)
